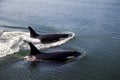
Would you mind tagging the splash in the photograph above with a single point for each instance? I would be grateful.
(12, 42)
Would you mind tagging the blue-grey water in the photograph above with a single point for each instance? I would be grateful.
(96, 24)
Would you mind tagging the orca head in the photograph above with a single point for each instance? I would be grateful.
(76, 53)
(33, 34)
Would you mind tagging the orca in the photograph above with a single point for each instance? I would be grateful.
(59, 56)
(47, 38)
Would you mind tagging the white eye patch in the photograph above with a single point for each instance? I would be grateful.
(70, 57)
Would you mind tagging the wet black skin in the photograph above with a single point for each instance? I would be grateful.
(48, 38)
(60, 56)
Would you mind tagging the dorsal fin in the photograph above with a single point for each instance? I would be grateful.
(33, 49)
(32, 32)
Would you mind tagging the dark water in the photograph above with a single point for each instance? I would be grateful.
(96, 24)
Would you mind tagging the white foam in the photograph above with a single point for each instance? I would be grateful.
(11, 42)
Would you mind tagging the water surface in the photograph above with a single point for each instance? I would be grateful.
(95, 23)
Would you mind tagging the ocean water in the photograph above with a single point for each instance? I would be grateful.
(95, 23)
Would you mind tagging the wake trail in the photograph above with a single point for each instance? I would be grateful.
(12, 42)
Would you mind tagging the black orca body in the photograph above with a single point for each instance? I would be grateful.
(48, 38)
(61, 56)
